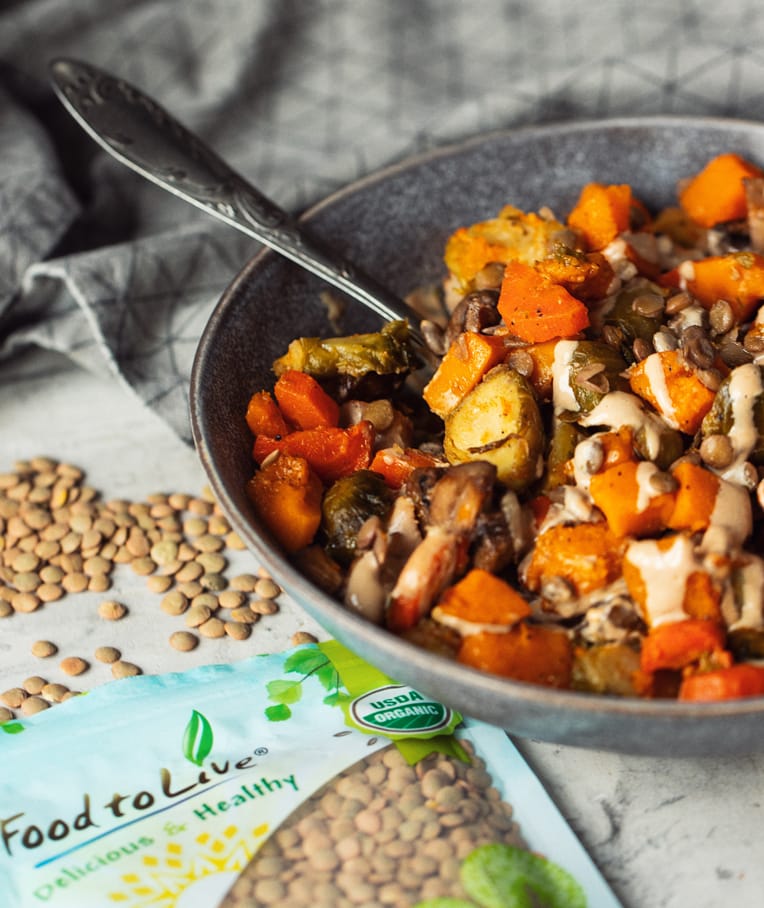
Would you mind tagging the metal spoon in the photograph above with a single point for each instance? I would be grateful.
(138, 132)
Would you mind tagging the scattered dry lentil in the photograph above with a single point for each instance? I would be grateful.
(34, 685)
(99, 584)
(49, 592)
(212, 628)
(234, 542)
(5, 714)
(244, 615)
(266, 588)
(159, 583)
(264, 606)
(237, 630)
(111, 610)
(33, 705)
(107, 654)
(190, 589)
(74, 665)
(300, 637)
(197, 615)
(208, 599)
(58, 537)
(230, 599)
(195, 526)
(143, 566)
(191, 570)
(208, 543)
(244, 583)
(75, 583)
(25, 602)
(14, 697)
(121, 669)
(215, 582)
(184, 641)
(44, 649)
(174, 603)
(54, 692)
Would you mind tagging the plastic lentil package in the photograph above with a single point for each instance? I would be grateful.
(302, 778)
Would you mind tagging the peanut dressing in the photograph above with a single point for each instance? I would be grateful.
(653, 365)
(744, 388)
(618, 409)
(562, 392)
(665, 574)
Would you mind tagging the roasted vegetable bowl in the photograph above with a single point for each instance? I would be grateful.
(558, 530)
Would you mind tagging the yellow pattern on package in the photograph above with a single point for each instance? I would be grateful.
(162, 790)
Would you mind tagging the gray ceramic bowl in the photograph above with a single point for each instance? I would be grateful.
(394, 224)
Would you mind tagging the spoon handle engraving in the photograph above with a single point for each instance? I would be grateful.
(140, 133)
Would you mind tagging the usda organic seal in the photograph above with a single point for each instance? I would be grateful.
(400, 710)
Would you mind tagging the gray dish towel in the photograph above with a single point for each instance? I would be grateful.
(302, 96)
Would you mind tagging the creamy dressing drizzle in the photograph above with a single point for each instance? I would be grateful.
(686, 274)
(665, 575)
(744, 387)
(653, 366)
(466, 628)
(751, 577)
(646, 491)
(618, 409)
(587, 452)
(562, 392)
(732, 513)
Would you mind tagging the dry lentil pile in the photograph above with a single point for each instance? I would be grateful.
(381, 833)
(58, 537)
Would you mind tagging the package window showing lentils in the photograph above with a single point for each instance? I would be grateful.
(304, 778)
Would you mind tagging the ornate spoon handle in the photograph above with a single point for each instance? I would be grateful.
(144, 136)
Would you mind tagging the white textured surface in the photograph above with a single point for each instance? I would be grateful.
(666, 833)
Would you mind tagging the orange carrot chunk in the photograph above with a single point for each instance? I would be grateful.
(717, 193)
(535, 309)
(466, 361)
(666, 382)
(737, 278)
(587, 555)
(264, 417)
(601, 213)
(331, 452)
(695, 497)
(619, 492)
(678, 644)
(532, 653)
(586, 276)
(730, 683)
(396, 464)
(287, 497)
(304, 402)
(482, 598)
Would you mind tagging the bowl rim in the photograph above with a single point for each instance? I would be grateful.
(387, 645)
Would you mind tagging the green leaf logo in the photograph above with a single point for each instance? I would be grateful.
(278, 713)
(307, 662)
(197, 738)
(11, 728)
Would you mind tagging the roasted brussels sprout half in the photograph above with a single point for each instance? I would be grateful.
(499, 421)
(635, 313)
(562, 447)
(347, 505)
(386, 352)
(595, 369)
